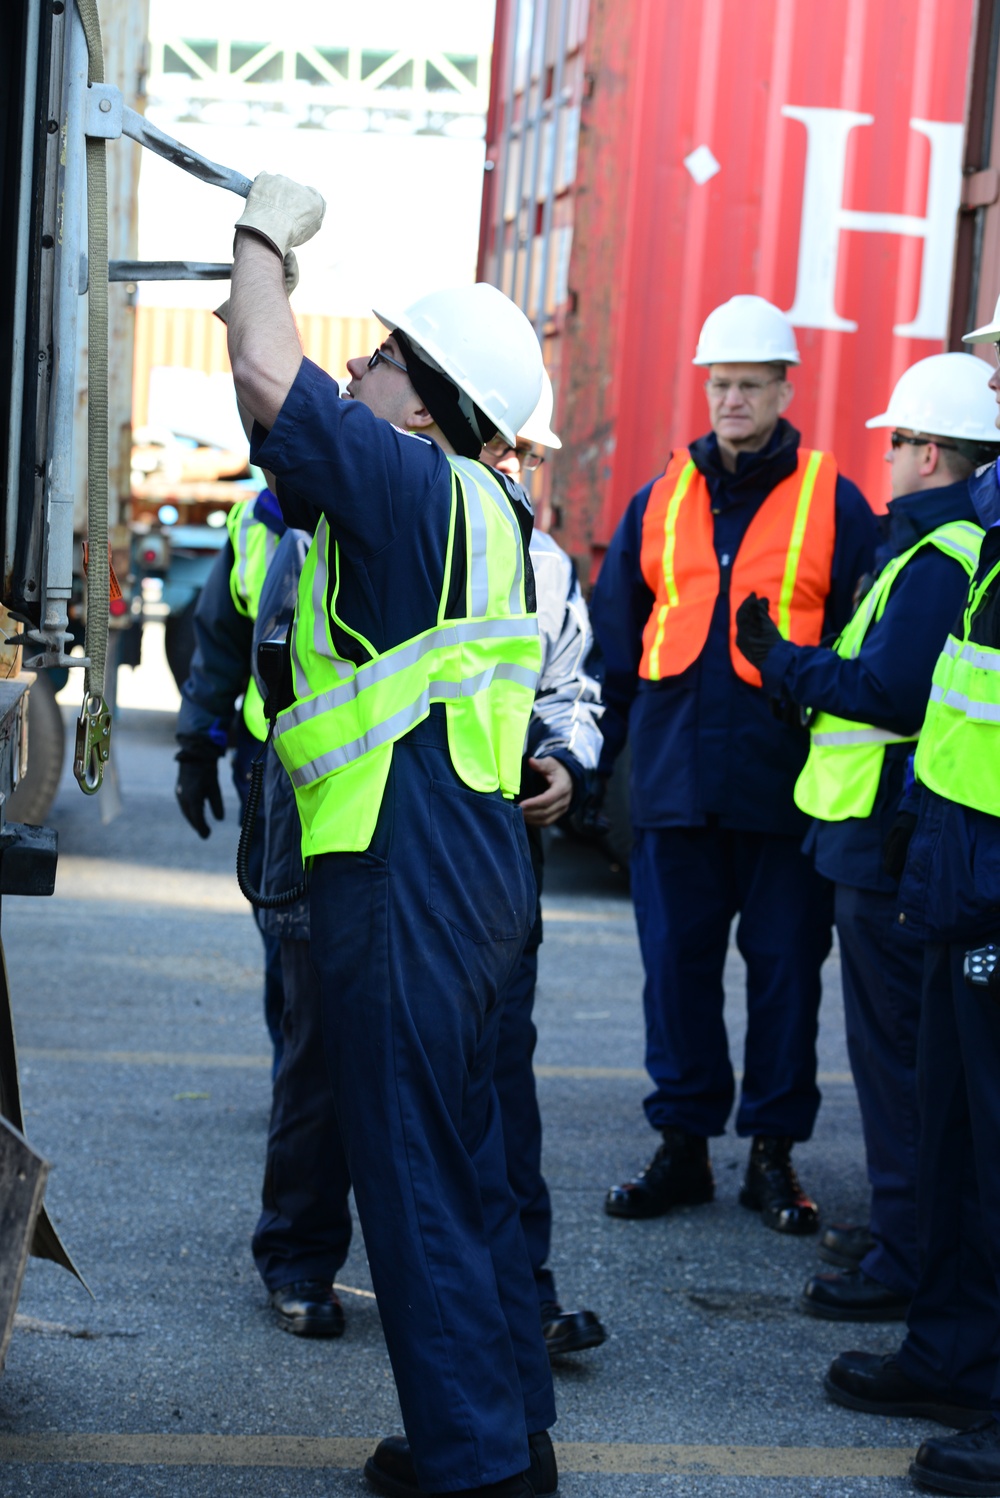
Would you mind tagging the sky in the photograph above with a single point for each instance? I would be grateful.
(403, 210)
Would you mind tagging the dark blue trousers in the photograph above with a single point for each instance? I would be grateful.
(953, 1330)
(514, 1079)
(274, 993)
(304, 1230)
(688, 883)
(414, 942)
(305, 1226)
(882, 973)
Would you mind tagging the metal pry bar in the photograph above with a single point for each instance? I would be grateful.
(169, 270)
(138, 128)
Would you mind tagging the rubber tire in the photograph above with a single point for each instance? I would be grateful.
(33, 797)
(178, 644)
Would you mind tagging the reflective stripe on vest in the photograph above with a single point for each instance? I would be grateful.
(840, 779)
(959, 751)
(254, 545)
(786, 556)
(336, 740)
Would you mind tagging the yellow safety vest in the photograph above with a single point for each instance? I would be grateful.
(336, 740)
(254, 545)
(840, 779)
(959, 751)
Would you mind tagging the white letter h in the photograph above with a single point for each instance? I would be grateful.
(824, 217)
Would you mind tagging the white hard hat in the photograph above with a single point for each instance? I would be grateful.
(946, 395)
(746, 330)
(989, 332)
(538, 427)
(484, 343)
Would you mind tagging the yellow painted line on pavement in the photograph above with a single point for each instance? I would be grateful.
(256, 1063)
(142, 1058)
(110, 881)
(561, 913)
(636, 1074)
(602, 1458)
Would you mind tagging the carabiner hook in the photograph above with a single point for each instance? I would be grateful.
(93, 743)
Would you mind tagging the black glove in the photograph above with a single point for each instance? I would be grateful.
(897, 842)
(593, 822)
(756, 632)
(198, 782)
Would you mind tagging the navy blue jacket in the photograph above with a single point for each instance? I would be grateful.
(950, 889)
(705, 744)
(888, 683)
(220, 666)
(283, 831)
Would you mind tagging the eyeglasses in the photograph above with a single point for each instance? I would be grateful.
(380, 358)
(748, 389)
(898, 439)
(996, 352)
(527, 454)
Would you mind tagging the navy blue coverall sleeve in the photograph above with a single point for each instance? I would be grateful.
(853, 551)
(888, 683)
(372, 477)
(620, 605)
(220, 666)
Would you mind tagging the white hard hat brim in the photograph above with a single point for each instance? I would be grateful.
(989, 333)
(426, 345)
(737, 355)
(542, 434)
(944, 395)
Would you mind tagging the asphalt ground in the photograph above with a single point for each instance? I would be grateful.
(136, 993)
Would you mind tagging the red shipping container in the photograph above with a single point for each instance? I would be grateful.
(809, 153)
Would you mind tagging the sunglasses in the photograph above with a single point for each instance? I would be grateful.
(898, 439)
(380, 358)
(748, 389)
(528, 457)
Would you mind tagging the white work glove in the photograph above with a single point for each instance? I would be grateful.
(291, 268)
(282, 211)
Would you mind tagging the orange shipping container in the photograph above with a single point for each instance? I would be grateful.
(193, 338)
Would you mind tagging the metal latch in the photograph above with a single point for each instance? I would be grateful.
(93, 743)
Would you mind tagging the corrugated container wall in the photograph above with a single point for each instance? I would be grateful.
(193, 338)
(646, 161)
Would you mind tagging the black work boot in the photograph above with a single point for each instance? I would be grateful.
(967, 1463)
(845, 1244)
(309, 1308)
(569, 1331)
(772, 1188)
(390, 1468)
(678, 1175)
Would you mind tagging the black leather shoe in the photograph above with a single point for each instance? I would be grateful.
(309, 1308)
(512, 1487)
(853, 1296)
(570, 1331)
(679, 1174)
(878, 1386)
(772, 1188)
(390, 1468)
(845, 1246)
(969, 1463)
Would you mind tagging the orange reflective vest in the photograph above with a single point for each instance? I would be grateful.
(785, 556)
